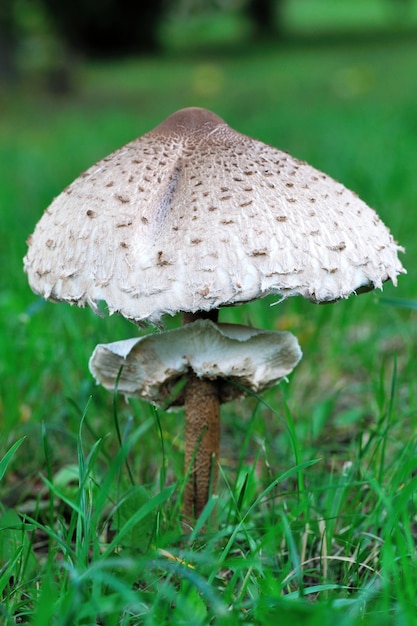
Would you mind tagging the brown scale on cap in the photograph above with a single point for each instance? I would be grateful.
(192, 121)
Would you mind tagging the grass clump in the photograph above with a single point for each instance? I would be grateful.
(309, 543)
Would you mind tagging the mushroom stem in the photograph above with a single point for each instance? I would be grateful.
(202, 435)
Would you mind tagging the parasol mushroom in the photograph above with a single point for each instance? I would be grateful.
(194, 216)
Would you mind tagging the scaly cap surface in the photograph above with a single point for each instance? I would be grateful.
(193, 216)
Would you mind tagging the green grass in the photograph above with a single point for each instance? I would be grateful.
(315, 519)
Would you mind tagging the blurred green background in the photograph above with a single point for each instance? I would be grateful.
(334, 82)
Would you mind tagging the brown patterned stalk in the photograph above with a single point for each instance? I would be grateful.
(202, 436)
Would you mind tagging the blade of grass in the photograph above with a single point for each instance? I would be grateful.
(5, 461)
(116, 422)
(147, 508)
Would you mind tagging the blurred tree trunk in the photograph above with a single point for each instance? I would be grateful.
(107, 28)
(8, 40)
(266, 16)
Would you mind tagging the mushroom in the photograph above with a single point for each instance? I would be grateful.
(194, 216)
(220, 362)
(240, 358)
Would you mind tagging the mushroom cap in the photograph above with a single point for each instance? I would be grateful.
(193, 216)
(153, 365)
